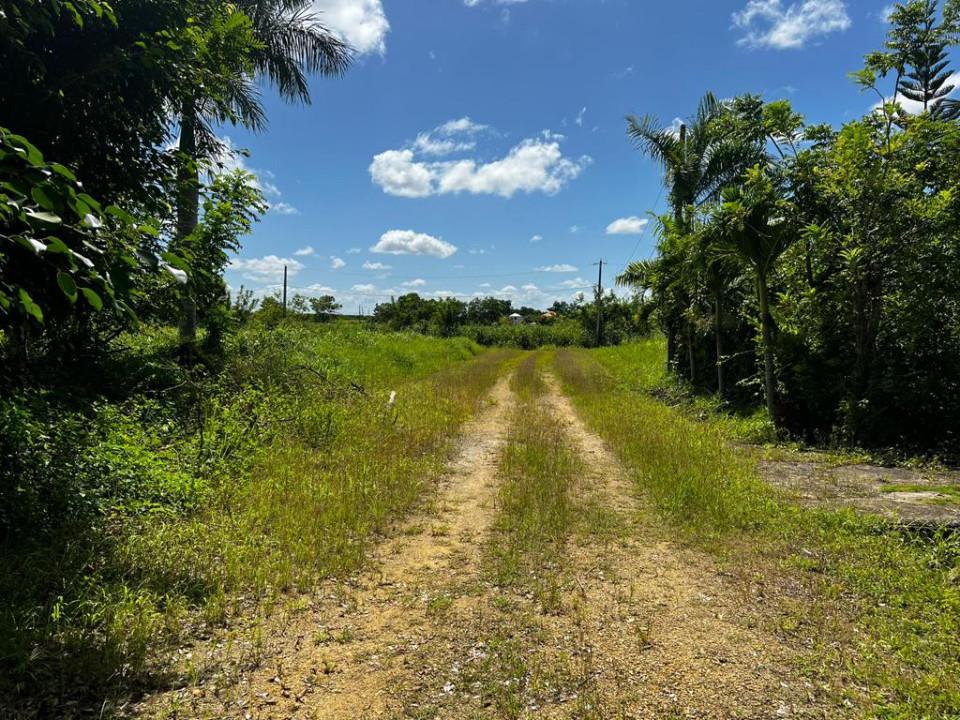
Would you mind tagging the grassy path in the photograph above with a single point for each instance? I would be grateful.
(534, 587)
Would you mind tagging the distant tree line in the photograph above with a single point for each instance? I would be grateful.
(818, 268)
(571, 322)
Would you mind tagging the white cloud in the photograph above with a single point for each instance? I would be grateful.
(632, 225)
(560, 268)
(579, 120)
(534, 165)
(354, 251)
(337, 263)
(536, 238)
(361, 23)
(305, 251)
(375, 266)
(576, 284)
(398, 174)
(364, 288)
(461, 126)
(419, 282)
(408, 242)
(574, 229)
(316, 289)
(265, 269)
(429, 145)
(283, 208)
(768, 24)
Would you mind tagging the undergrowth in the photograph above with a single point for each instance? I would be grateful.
(133, 519)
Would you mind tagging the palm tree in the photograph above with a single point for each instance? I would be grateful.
(698, 160)
(281, 41)
(752, 224)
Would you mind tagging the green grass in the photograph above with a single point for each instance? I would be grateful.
(880, 609)
(950, 490)
(537, 470)
(263, 476)
(687, 469)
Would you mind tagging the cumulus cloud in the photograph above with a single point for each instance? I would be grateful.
(337, 263)
(560, 268)
(305, 251)
(266, 269)
(367, 288)
(408, 242)
(419, 282)
(768, 24)
(375, 266)
(536, 238)
(361, 23)
(533, 165)
(632, 225)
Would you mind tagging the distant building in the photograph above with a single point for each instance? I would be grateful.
(516, 319)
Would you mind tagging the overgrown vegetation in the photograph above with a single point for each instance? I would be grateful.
(816, 267)
(132, 518)
(884, 609)
(493, 322)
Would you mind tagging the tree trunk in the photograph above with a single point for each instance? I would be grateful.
(671, 349)
(691, 357)
(766, 324)
(718, 332)
(188, 215)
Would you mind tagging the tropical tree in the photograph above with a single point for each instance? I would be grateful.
(281, 41)
(324, 307)
(699, 158)
(753, 223)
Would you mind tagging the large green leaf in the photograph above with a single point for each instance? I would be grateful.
(27, 303)
(68, 286)
(91, 297)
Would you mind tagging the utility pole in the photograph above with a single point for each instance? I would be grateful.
(284, 290)
(599, 301)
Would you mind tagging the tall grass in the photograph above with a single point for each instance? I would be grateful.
(687, 470)
(267, 475)
(529, 336)
(883, 606)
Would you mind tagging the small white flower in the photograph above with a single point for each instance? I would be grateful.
(393, 398)
(92, 221)
(179, 275)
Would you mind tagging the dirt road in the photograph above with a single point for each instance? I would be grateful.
(634, 626)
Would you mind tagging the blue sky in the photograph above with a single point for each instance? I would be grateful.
(479, 147)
